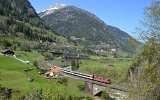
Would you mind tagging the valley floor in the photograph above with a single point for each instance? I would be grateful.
(12, 75)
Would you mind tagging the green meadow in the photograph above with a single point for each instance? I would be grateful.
(13, 77)
(29, 56)
(114, 69)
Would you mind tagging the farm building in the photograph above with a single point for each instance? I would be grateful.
(75, 56)
(54, 72)
(8, 52)
(41, 50)
(57, 53)
(69, 54)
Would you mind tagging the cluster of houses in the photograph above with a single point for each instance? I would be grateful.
(54, 72)
(59, 53)
(67, 54)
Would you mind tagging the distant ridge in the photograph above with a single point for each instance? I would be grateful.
(86, 28)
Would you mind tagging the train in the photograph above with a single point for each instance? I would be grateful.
(87, 76)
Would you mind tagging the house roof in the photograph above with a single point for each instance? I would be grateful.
(54, 69)
(7, 52)
(47, 73)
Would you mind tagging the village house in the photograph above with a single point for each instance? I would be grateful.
(75, 56)
(57, 53)
(41, 50)
(8, 52)
(54, 72)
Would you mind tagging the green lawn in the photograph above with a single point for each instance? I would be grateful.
(121, 65)
(30, 56)
(89, 65)
(12, 76)
(117, 73)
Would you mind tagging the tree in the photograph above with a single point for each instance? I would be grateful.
(150, 26)
(35, 63)
(27, 30)
(34, 94)
(105, 95)
(75, 64)
(7, 43)
(48, 55)
(81, 86)
(144, 72)
(64, 81)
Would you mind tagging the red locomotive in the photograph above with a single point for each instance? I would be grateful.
(102, 79)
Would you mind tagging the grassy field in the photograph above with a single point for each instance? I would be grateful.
(102, 64)
(13, 77)
(30, 56)
(114, 69)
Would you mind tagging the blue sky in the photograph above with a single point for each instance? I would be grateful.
(123, 14)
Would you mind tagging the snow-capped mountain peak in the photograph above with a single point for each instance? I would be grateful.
(53, 8)
(56, 6)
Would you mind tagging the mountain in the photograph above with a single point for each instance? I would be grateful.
(53, 8)
(21, 28)
(86, 28)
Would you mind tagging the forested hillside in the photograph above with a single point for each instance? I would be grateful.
(22, 29)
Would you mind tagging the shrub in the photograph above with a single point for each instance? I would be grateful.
(81, 86)
(34, 95)
(35, 63)
(75, 64)
(105, 95)
(63, 81)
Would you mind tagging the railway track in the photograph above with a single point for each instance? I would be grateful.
(88, 78)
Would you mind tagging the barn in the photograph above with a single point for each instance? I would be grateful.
(8, 52)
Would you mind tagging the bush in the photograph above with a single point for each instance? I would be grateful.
(63, 81)
(144, 72)
(75, 64)
(105, 95)
(35, 63)
(81, 86)
(7, 43)
(88, 98)
(34, 95)
(48, 55)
